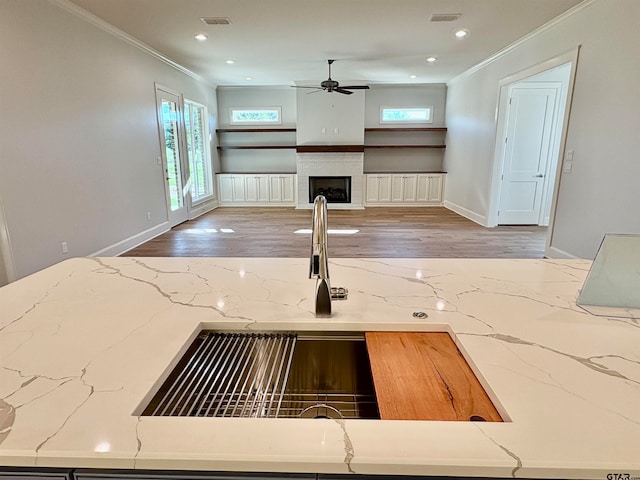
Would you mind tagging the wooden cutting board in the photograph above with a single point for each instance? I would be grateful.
(423, 376)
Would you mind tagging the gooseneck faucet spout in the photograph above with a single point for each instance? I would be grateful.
(319, 261)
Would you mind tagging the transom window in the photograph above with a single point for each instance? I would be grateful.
(256, 116)
(405, 115)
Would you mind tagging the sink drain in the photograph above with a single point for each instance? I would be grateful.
(420, 315)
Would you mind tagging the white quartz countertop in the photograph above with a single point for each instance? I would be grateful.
(84, 343)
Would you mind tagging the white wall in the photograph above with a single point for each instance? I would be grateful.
(601, 194)
(79, 134)
(341, 116)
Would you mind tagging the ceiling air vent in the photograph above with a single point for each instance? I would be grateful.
(216, 20)
(445, 17)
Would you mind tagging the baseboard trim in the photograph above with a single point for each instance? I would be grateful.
(465, 212)
(256, 204)
(203, 208)
(132, 242)
(374, 205)
(554, 252)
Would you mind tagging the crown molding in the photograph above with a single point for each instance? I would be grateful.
(501, 53)
(116, 32)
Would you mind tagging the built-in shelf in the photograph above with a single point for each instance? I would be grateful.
(405, 129)
(254, 147)
(255, 130)
(329, 148)
(405, 146)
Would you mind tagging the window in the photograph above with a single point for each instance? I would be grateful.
(197, 132)
(405, 115)
(256, 116)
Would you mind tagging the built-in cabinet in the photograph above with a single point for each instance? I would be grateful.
(256, 189)
(404, 188)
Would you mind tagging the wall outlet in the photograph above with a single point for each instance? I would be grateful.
(65, 247)
(148, 215)
(567, 167)
(159, 160)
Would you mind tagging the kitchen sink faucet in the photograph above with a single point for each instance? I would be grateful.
(319, 261)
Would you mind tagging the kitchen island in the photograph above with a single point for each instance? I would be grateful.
(85, 344)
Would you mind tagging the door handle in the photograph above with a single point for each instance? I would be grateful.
(540, 175)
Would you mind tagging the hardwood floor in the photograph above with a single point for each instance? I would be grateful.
(384, 232)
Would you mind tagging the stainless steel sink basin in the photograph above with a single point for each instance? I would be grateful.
(276, 375)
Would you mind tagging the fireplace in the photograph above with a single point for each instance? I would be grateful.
(335, 189)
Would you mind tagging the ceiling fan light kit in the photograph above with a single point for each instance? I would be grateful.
(330, 85)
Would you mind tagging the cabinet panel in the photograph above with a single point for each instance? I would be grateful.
(422, 188)
(409, 188)
(371, 192)
(435, 188)
(287, 189)
(397, 190)
(225, 185)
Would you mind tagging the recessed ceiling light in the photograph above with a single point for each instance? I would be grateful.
(412, 76)
(248, 78)
(229, 62)
(201, 37)
(462, 33)
(431, 59)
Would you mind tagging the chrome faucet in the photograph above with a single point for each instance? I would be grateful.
(319, 261)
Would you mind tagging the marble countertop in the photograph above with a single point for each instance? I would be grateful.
(83, 344)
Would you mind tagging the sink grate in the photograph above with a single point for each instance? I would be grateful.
(228, 375)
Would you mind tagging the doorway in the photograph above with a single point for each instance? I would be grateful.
(532, 118)
(174, 161)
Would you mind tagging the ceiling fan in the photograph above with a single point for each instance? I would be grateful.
(330, 85)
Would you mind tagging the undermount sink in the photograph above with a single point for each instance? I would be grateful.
(273, 375)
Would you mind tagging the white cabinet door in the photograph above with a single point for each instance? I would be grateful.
(256, 188)
(409, 188)
(238, 188)
(384, 188)
(397, 188)
(225, 187)
(422, 189)
(436, 183)
(287, 189)
(372, 194)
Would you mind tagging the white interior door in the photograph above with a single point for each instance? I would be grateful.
(171, 128)
(527, 150)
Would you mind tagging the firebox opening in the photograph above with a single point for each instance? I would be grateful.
(335, 189)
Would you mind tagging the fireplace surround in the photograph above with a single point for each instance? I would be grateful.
(331, 165)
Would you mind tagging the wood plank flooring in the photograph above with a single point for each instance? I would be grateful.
(398, 232)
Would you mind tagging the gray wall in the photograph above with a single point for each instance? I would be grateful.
(601, 194)
(256, 161)
(79, 134)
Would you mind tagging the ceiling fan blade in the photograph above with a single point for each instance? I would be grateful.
(357, 87)
(302, 86)
(342, 90)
